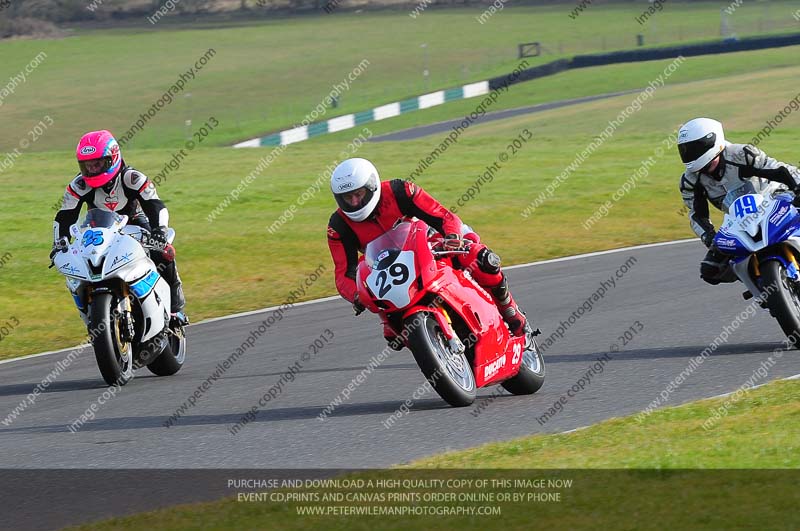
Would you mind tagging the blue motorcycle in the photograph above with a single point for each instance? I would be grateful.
(761, 232)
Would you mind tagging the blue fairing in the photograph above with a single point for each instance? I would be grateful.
(731, 244)
(782, 224)
(782, 231)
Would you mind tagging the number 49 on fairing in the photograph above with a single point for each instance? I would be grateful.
(745, 205)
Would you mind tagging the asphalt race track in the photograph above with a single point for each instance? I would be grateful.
(441, 127)
(679, 316)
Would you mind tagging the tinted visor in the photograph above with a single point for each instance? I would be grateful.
(93, 167)
(355, 200)
(691, 151)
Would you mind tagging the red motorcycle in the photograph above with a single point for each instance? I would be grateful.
(451, 325)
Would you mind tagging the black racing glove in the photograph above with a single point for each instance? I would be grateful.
(159, 236)
(358, 308)
(59, 246)
(708, 238)
(796, 200)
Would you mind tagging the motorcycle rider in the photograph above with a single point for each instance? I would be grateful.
(368, 208)
(107, 183)
(713, 168)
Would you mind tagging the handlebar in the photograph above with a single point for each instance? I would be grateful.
(437, 254)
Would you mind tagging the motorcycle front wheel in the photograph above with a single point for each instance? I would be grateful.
(783, 300)
(114, 355)
(448, 372)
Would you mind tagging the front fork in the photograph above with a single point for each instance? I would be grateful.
(126, 318)
(83, 299)
(750, 271)
(445, 323)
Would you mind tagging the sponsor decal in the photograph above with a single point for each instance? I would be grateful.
(517, 354)
(145, 285)
(345, 186)
(778, 216)
(69, 268)
(110, 201)
(726, 242)
(88, 150)
(383, 255)
(123, 258)
(491, 369)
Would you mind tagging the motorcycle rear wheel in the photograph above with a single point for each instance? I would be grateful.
(449, 373)
(530, 377)
(171, 359)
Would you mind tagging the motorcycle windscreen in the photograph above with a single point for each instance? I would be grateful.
(392, 239)
(97, 218)
(740, 189)
(392, 270)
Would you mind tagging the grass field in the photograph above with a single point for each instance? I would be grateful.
(269, 75)
(757, 436)
(234, 264)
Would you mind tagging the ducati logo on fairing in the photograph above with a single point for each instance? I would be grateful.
(491, 369)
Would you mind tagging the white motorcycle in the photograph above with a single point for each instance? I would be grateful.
(121, 297)
(761, 233)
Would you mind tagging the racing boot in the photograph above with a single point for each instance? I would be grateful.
(513, 316)
(169, 270)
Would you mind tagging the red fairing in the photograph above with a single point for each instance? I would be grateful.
(416, 202)
(497, 353)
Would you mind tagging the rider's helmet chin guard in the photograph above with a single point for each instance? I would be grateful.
(356, 176)
(699, 142)
(99, 158)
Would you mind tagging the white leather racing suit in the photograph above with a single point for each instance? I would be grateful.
(132, 194)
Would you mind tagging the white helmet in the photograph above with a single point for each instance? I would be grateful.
(699, 142)
(351, 176)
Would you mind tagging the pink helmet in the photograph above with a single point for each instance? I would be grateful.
(98, 157)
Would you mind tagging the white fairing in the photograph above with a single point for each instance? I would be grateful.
(123, 257)
(393, 283)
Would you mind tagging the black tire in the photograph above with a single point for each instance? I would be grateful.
(171, 360)
(441, 368)
(783, 301)
(114, 357)
(530, 377)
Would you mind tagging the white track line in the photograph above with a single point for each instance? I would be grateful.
(335, 297)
